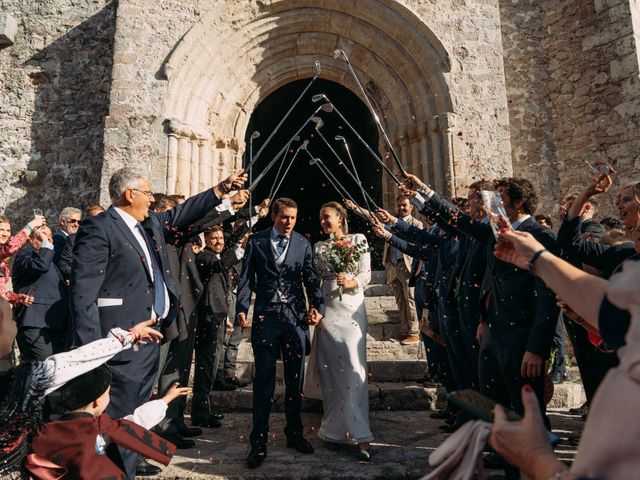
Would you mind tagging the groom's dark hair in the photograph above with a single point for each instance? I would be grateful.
(283, 202)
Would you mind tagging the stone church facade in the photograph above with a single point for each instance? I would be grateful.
(466, 89)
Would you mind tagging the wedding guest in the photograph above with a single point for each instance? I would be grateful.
(68, 223)
(65, 261)
(43, 327)
(81, 440)
(9, 246)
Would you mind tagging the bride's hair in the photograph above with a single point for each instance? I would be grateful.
(342, 213)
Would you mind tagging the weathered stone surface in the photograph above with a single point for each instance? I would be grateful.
(466, 89)
(55, 82)
(401, 446)
(8, 29)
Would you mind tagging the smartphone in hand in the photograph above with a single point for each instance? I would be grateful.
(479, 406)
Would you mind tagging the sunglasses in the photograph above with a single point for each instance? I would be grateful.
(72, 220)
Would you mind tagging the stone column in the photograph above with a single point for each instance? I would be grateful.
(172, 164)
(447, 124)
(194, 175)
(436, 153)
(184, 171)
(205, 170)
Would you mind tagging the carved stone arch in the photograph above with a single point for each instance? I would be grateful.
(229, 61)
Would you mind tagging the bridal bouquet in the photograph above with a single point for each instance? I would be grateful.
(342, 256)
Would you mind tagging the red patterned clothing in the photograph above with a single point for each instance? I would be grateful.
(12, 246)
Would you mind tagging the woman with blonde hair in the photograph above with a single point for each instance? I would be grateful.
(338, 363)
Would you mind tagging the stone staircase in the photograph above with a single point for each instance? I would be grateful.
(395, 371)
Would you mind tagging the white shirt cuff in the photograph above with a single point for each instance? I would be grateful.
(239, 253)
(46, 244)
(149, 414)
(418, 201)
(252, 221)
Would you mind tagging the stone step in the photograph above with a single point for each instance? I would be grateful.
(380, 302)
(378, 290)
(378, 276)
(391, 396)
(382, 396)
(379, 371)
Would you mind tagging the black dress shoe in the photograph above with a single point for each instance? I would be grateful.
(207, 422)
(145, 469)
(441, 414)
(256, 457)
(179, 441)
(187, 432)
(216, 415)
(222, 384)
(237, 382)
(300, 444)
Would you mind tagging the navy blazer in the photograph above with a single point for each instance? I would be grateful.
(522, 308)
(214, 273)
(34, 273)
(111, 284)
(261, 274)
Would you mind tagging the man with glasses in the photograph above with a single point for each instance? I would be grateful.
(68, 224)
(121, 276)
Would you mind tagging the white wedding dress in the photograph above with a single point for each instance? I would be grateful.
(337, 371)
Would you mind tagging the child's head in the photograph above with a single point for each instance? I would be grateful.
(89, 392)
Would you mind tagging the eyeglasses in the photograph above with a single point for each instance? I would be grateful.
(73, 220)
(149, 194)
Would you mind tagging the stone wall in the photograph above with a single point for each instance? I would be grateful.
(572, 81)
(154, 41)
(54, 93)
(526, 68)
(594, 87)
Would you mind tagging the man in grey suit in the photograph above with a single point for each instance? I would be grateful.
(121, 276)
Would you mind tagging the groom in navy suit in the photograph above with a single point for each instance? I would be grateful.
(278, 267)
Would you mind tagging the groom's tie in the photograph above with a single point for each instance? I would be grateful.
(281, 245)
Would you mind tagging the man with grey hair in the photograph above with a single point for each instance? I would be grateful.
(68, 224)
(121, 276)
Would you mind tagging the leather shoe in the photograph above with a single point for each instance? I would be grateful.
(216, 415)
(188, 432)
(145, 469)
(207, 422)
(224, 385)
(256, 457)
(237, 382)
(179, 441)
(441, 414)
(300, 444)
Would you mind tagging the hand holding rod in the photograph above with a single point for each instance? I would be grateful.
(322, 96)
(253, 159)
(326, 107)
(336, 54)
(366, 196)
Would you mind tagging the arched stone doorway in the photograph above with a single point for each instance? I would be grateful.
(241, 52)
(305, 183)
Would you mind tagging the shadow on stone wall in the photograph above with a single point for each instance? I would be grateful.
(72, 81)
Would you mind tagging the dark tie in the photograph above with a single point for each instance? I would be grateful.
(281, 245)
(158, 279)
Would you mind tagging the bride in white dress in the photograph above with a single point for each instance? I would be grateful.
(338, 361)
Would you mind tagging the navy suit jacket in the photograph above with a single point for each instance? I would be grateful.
(262, 275)
(111, 284)
(522, 308)
(34, 273)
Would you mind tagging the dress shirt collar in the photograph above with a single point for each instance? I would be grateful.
(406, 219)
(128, 219)
(515, 225)
(275, 234)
